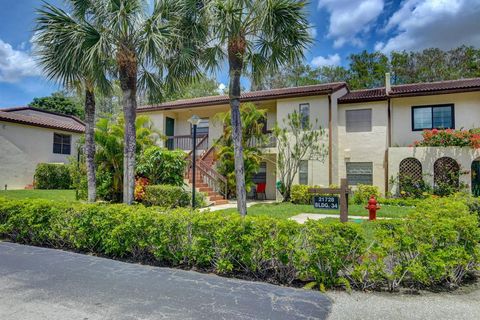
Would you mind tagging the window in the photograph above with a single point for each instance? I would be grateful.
(303, 172)
(202, 127)
(61, 143)
(304, 111)
(359, 120)
(261, 175)
(360, 173)
(433, 117)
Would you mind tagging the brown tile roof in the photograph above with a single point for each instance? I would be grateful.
(252, 96)
(411, 90)
(41, 118)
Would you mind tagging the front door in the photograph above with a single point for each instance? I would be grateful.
(476, 178)
(170, 132)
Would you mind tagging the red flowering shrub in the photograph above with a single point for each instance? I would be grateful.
(140, 186)
(450, 138)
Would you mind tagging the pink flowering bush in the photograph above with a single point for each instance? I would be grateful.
(449, 138)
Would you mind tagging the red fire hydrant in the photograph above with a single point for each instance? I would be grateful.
(372, 207)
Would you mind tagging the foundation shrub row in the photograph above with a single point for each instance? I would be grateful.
(438, 245)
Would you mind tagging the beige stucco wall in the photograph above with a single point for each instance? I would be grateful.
(427, 156)
(317, 170)
(22, 148)
(466, 106)
(364, 146)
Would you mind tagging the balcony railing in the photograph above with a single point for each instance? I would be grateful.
(270, 141)
(185, 142)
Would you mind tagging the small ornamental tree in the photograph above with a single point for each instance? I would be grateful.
(296, 141)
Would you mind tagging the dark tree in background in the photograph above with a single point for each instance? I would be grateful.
(367, 70)
(60, 102)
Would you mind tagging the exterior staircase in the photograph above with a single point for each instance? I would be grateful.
(207, 179)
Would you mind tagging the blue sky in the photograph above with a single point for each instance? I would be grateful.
(340, 27)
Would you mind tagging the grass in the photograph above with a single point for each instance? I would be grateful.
(56, 195)
(287, 210)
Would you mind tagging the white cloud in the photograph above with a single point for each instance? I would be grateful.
(331, 60)
(444, 24)
(221, 88)
(16, 64)
(350, 18)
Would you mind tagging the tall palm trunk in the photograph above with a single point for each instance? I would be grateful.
(236, 51)
(90, 143)
(128, 82)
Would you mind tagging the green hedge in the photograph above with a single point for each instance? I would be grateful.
(52, 176)
(168, 196)
(363, 192)
(437, 245)
(299, 194)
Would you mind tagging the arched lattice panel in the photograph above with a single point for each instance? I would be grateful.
(411, 168)
(446, 172)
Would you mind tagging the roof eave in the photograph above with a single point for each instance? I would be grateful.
(434, 92)
(41, 125)
(252, 99)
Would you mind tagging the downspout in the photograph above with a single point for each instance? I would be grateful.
(330, 140)
(388, 88)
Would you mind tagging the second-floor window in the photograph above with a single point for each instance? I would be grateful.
(62, 143)
(359, 120)
(202, 127)
(304, 111)
(433, 117)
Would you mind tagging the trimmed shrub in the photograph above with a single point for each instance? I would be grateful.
(363, 192)
(52, 176)
(329, 252)
(299, 193)
(168, 196)
(436, 245)
(162, 166)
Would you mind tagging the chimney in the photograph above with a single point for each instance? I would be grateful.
(388, 85)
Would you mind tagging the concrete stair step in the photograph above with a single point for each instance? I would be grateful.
(220, 202)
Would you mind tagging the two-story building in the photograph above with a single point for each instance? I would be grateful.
(368, 132)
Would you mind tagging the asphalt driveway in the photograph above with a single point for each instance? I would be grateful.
(38, 283)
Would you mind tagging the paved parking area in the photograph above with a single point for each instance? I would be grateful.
(38, 283)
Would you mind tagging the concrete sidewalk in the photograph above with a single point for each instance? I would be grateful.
(233, 205)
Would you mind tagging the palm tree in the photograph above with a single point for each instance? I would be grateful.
(59, 40)
(150, 52)
(261, 35)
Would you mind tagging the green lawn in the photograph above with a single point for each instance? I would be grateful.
(287, 210)
(58, 195)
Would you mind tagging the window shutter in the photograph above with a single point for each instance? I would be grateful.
(359, 120)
